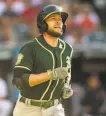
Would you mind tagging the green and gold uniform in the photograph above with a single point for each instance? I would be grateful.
(35, 57)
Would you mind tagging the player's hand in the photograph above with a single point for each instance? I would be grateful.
(58, 73)
(67, 91)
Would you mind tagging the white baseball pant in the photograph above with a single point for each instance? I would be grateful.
(29, 110)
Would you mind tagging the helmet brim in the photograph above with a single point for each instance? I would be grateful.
(64, 15)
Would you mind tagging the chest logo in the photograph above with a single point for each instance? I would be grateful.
(60, 46)
(20, 57)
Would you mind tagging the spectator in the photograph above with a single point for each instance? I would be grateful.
(8, 19)
(9, 11)
(2, 7)
(29, 16)
(75, 36)
(87, 19)
(7, 32)
(5, 104)
(100, 7)
(18, 6)
(76, 98)
(39, 2)
(94, 96)
(30, 13)
(75, 8)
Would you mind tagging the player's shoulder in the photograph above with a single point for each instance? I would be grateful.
(68, 46)
(31, 43)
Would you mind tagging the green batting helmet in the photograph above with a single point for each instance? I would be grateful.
(47, 11)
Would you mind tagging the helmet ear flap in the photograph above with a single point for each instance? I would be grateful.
(64, 28)
(41, 24)
(42, 27)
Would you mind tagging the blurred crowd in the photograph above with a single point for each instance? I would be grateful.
(85, 25)
(18, 21)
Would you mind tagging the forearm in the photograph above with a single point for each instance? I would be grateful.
(35, 79)
(59, 73)
(23, 76)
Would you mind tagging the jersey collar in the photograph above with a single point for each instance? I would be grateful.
(43, 42)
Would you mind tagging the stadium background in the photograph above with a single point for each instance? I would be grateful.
(86, 32)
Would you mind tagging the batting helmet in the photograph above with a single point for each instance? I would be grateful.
(47, 11)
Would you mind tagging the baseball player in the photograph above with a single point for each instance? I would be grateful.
(42, 71)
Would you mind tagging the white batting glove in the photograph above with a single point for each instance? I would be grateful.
(58, 73)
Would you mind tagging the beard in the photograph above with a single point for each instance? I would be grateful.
(53, 33)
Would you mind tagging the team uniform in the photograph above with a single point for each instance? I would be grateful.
(35, 57)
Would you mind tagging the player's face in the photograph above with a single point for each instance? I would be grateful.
(55, 25)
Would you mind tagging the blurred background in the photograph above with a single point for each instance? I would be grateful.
(86, 33)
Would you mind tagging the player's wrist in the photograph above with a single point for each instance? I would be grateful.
(48, 73)
(51, 74)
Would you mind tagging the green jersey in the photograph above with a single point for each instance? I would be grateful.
(37, 56)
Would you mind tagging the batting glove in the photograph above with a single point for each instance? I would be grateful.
(67, 91)
(58, 73)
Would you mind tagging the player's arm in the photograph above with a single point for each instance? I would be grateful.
(35, 79)
(23, 70)
(58, 73)
(25, 77)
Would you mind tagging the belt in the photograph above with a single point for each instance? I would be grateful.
(44, 104)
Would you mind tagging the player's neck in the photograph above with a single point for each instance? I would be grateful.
(52, 41)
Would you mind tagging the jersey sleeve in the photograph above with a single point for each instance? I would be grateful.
(25, 58)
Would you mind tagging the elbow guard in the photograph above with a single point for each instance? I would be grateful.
(18, 83)
(21, 78)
